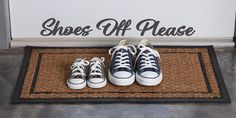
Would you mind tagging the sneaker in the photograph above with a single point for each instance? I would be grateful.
(77, 79)
(148, 71)
(97, 78)
(121, 70)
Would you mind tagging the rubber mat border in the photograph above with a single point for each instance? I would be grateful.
(225, 98)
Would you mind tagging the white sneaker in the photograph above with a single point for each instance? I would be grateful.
(77, 79)
(121, 71)
(97, 78)
(148, 71)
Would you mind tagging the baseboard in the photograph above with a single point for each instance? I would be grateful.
(111, 41)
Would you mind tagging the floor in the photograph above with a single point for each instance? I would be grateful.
(10, 61)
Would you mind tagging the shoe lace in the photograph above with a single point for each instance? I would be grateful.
(147, 59)
(96, 67)
(122, 58)
(78, 67)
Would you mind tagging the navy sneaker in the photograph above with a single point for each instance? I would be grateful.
(121, 71)
(148, 71)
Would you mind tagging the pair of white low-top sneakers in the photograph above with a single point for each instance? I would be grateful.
(95, 78)
(146, 69)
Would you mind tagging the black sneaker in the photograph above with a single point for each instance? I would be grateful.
(121, 71)
(148, 71)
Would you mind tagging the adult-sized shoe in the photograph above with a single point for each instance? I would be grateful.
(121, 71)
(148, 71)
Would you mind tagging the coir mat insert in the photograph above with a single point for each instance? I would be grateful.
(191, 74)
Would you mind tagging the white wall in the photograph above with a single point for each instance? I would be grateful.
(210, 18)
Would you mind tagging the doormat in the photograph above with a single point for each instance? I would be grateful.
(191, 74)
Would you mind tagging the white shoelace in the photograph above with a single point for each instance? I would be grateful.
(122, 57)
(78, 67)
(96, 67)
(147, 61)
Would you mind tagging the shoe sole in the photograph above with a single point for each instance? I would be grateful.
(121, 82)
(97, 85)
(147, 81)
(76, 86)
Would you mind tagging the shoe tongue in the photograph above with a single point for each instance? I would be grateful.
(94, 59)
(78, 59)
(123, 50)
(143, 43)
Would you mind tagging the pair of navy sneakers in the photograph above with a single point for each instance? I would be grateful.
(145, 69)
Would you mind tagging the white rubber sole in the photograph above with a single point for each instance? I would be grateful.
(121, 82)
(97, 85)
(76, 86)
(148, 82)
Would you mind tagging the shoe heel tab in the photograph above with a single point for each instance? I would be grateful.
(144, 42)
(122, 43)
